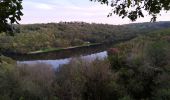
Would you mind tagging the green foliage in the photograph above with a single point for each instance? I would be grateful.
(84, 80)
(144, 74)
(10, 11)
(130, 73)
(7, 83)
(25, 82)
(162, 94)
(115, 57)
(126, 98)
(35, 37)
(36, 82)
(157, 53)
(133, 9)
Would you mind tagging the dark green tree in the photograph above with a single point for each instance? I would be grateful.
(10, 12)
(134, 9)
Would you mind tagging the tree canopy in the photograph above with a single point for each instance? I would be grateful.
(134, 9)
(10, 12)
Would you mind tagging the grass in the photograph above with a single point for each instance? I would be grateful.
(59, 49)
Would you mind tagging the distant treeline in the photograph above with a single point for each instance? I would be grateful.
(34, 37)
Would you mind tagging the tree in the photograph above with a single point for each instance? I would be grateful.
(10, 12)
(134, 9)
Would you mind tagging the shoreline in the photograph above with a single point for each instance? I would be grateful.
(60, 49)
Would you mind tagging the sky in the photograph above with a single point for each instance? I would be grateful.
(47, 11)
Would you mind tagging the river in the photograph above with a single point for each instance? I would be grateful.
(57, 58)
(57, 62)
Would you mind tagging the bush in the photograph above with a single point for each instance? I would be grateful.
(116, 58)
(157, 53)
(83, 80)
(36, 81)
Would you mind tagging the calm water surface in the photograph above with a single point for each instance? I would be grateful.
(57, 62)
(57, 58)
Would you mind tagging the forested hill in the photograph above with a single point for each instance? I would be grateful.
(64, 34)
(150, 26)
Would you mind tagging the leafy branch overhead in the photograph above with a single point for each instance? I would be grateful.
(10, 12)
(134, 9)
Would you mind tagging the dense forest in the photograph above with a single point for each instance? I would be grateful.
(138, 69)
(34, 37)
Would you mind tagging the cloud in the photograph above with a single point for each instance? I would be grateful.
(44, 6)
(36, 11)
(43, 11)
(37, 5)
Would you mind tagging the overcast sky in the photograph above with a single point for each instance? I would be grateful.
(46, 11)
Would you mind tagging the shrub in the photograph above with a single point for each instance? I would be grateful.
(157, 53)
(36, 81)
(116, 58)
(84, 80)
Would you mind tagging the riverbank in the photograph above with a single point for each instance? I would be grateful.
(60, 49)
(77, 47)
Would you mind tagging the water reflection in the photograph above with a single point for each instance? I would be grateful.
(62, 54)
(57, 58)
(56, 63)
